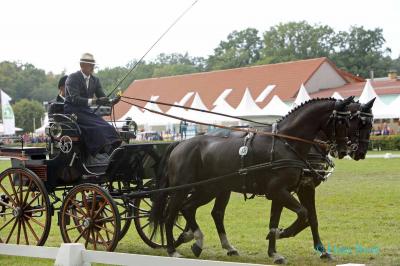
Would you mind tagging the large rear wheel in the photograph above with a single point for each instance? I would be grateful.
(25, 216)
(151, 236)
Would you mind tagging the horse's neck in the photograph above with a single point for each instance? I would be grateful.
(306, 121)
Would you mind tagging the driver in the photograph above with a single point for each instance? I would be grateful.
(82, 91)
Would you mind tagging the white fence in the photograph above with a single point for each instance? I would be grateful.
(75, 255)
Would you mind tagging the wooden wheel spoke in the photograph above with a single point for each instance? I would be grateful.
(94, 201)
(27, 192)
(102, 239)
(35, 210)
(143, 210)
(106, 220)
(20, 190)
(152, 234)
(25, 233)
(74, 227)
(162, 235)
(144, 226)
(94, 239)
(8, 195)
(7, 223)
(145, 201)
(87, 238)
(34, 220)
(104, 228)
(18, 231)
(74, 216)
(85, 203)
(13, 188)
(99, 210)
(80, 235)
(12, 230)
(32, 200)
(79, 209)
(32, 231)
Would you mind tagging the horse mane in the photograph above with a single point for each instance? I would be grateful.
(302, 105)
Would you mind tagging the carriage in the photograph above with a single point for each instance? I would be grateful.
(94, 204)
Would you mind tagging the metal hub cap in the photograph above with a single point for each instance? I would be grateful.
(87, 222)
(17, 212)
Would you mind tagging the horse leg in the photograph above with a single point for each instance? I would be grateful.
(189, 209)
(273, 235)
(307, 198)
(218, 213)
(174, 205)
(285, 199)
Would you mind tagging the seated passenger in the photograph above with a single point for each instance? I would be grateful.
(60, 97)
(99, 137)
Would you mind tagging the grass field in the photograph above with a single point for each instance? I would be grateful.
(359, 220)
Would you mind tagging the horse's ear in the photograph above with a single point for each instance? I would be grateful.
(341, 104)
(368, 105)
(348, 100)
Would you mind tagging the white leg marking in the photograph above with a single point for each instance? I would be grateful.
(188, 236)
(198, 235)
(225, 243)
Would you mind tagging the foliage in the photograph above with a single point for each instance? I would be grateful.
(386, 142)
(361, 51)
(297, 40)
(25, 112)
(241, 49)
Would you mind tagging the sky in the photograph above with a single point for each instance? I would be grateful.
(52, 34)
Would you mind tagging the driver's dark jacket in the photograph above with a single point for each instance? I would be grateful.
(96, 132)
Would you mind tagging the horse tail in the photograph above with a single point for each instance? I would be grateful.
(160, 199)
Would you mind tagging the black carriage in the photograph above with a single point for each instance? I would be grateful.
(94, 204)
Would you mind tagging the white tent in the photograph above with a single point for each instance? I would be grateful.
(154, 119)
(265, 93)
(134, 113)
(394, 108)
(197, 115)
(179, 112)
(380, 109)
(337, 96)
(302, 96)
(247, 106)
(41, 130)
(276, 107)
(223, 107)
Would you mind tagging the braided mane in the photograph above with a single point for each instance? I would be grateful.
(304, 104)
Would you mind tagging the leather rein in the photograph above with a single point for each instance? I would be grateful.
(323, 144)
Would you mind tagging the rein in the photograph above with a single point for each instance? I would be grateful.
(195, 109)
(248, 130)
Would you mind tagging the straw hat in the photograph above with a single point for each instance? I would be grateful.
(87, 58)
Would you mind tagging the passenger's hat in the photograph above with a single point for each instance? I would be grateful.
(62, 80)
(88, 59)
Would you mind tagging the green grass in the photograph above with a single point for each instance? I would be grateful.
(358, 205)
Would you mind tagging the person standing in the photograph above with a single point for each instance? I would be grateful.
(83, 90)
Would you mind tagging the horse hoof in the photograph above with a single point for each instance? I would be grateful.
(196, 250)
(175, 255)
(232, 253)
(279, 259)
(326, 256)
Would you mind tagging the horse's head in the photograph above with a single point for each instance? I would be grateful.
(361, 121)
(337, 127)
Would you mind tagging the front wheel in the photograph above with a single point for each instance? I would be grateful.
(25, 216)
(90, 216)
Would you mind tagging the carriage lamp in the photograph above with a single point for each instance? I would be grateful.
(55, 130)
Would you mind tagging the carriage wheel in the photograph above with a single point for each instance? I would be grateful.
(126, 220)
(25, 216)
(152, 237)
(90, 216)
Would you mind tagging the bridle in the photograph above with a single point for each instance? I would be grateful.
(365, 123)
(338, 119)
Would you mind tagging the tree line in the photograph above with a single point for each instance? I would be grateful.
(358, 51)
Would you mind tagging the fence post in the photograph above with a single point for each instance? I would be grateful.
(70, 254)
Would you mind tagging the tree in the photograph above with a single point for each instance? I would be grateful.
(361, 51)
(25, 112)
(241, 49)
(297, 40)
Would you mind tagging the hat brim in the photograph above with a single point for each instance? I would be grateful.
(87, 62)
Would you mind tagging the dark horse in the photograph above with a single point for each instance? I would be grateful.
(206, 157)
